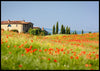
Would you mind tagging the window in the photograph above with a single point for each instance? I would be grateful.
(30, 25)
(9, 25)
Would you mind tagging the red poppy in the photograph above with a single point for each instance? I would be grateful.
(8, 46)
(71, 57)
(9, 52)
(91, 69)
(89, 65)
(48, 58)
(45, 50)
(77, 57)
(31, 51)
(31, 40)
(62, 49)
(14, 46)
(22, 54)
(55, 60)
(6, 41)
(40, 50)
(86, 65)
(63, 52)
(20, 65)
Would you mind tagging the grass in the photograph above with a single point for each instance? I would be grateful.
(55, 52)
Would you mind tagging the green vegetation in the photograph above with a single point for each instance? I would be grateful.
(52, 52)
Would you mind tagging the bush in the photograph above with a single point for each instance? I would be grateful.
(89, 32)
(15, 31)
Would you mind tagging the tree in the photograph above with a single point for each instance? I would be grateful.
(61, 29)
(82, 31)
(75, 32)
(53, 29)
(69, 30)
(57, 28)
(66, 30)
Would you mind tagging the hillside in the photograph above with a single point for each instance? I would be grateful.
(52, 52)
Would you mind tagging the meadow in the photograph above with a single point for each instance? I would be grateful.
(52, 52)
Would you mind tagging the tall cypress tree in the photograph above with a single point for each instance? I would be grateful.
(66, 30)
(57, 28)
(69, 30)
(82, 31)
(53, 29)
(61, 29)
(75, 32)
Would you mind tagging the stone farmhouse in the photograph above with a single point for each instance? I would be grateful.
(21, 26)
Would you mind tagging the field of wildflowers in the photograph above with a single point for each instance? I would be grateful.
(53, 52)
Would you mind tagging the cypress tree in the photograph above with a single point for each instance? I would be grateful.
(57, 28)
(61, 29)
(75, 32)
(82, 31)
(69, 30)
(66, 30)
(53, 29)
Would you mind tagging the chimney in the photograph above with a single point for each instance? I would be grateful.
(8, 21)
(42, 28)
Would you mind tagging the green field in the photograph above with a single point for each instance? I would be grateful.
(53, 52)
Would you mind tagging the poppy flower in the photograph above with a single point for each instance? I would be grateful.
(89, 65)
(91, 69)
(63, 52)
(48, 58)
(76, 57)
(14, 46)
(6, 41)
(22, 54)
(8, 46)
(55, 60)
(45, 50)
(71, 57)
(9, 52)
(31, 51)
(40, 50)
(86, 65)
(31, 40)
(20, 65)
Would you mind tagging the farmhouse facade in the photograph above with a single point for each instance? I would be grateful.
(21, 26)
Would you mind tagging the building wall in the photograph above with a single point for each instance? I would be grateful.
(18, 27)
(26, 27)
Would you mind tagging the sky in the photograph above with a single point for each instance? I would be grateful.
(77, 15)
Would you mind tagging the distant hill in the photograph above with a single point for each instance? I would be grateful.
(78, 32)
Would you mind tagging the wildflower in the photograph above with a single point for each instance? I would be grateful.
(8, 46)
(63, 52)
(45, 50)
(31, 51)
(76, 57)
(86, 65)
(15, 46)
(31, 40)
(55, 60)
(48, 58)
(40, 50)
(91, 69)
(9, 52)
(6, 41)
(71, 57)
(62, 49)
(89, 65)
(22, 54)
(20, 65)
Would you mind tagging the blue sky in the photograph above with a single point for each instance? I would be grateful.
(77, 15)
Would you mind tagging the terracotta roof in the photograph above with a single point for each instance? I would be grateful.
(36, 28)
(14, 22)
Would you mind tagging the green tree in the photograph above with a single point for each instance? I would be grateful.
(66, 30)
(61, 29)
(53, 29)
(75, 32)
(69, 30)
(82, 31)
(57, 28)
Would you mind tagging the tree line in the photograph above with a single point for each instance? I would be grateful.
(63, 30)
